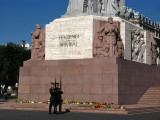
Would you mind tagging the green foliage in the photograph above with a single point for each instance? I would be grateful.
(11, 58)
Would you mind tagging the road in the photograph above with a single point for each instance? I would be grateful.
(35, 115)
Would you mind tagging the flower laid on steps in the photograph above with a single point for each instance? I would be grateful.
(40, 102)
(92, 105)
(107, 107)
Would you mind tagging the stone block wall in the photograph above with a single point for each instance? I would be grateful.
(83, 80)
(100, 80)
(134, 79)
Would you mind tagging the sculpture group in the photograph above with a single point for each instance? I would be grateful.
(103, 7)
(108, 42)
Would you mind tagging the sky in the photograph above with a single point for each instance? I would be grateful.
(19, 17)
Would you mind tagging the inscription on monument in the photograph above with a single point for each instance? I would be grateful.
(68, 40)
(76, 36)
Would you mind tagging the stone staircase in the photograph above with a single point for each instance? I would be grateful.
(151, 96)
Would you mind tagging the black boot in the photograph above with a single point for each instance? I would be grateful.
(60, 109)
(50, 112)
(55, 110)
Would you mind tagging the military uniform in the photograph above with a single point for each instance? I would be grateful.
(59, 100)
(52, 99)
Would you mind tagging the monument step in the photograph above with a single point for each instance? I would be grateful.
(151, 96)
(152, 92)
(154, 88)
(149, 102)
(101, 111)
(143, 110)
(155, 100)
(151, 99)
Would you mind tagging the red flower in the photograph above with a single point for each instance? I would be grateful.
(97, 106)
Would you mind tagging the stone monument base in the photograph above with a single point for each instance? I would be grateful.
(95, 80)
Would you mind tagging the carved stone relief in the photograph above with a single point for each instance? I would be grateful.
(138, 45)
(154, 51)
(107, 41)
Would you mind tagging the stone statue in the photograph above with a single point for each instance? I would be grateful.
(138, 45)
(142, 48)
(79, 5)
(85, 6)
(107, 42)
(123, 12)
(100, 49)
(90, 6)
(121, 3)
(111, 32)
(120, 49)
(100, 3)
(38, 44)
(75, 7)
(69, 8)
(95, 6)
(154, 52)
(112, 7)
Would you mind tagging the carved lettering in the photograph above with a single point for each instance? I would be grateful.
(76, 36)
(68, 43)
(68, 40)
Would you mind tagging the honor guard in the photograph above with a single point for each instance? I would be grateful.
(59, 100)
(52, 98)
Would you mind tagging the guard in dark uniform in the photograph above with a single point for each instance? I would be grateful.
(59, 100)
(52, 91)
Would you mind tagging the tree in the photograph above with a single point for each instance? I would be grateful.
(11, 58)
(3, 63)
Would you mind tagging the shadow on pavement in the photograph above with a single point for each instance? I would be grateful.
(67, 111)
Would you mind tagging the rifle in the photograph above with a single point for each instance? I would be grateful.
(55, 83)
(60, 83)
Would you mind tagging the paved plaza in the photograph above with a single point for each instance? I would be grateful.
(34, 115)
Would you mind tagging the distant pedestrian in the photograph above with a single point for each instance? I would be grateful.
(4, 94)
(1, 93)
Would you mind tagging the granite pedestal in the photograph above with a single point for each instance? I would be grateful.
(95, 80)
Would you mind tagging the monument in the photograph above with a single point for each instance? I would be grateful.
(102, 51)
